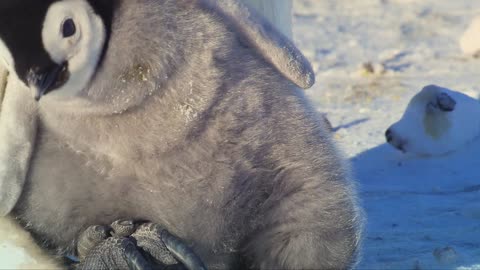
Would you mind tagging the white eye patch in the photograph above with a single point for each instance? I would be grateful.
(74, 34)
(60, 15)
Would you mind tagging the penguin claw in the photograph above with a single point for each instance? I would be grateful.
(129, 245)
(115, 253)
(90, 238)
(153, 238)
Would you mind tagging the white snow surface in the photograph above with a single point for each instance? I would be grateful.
(18, 250)
(422, 213)
(470, 40)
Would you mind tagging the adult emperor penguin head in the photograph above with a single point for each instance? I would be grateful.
(54, 45)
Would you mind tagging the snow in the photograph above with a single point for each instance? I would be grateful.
(371, 57)
(18, 251)
(470, 40)
(13, 257)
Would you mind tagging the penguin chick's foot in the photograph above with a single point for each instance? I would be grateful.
(129, 245)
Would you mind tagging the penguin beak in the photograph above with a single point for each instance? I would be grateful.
(42, 81)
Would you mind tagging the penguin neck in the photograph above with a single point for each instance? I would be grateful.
(157, 87)
(165, 116)
(141, 55)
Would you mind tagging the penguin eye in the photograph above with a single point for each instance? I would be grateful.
(68, 28)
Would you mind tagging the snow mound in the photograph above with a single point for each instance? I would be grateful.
(470, 40)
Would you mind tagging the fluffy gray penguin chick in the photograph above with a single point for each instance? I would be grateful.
(175, 111)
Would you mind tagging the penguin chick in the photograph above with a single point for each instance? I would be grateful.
(437, 121)
(18, 123)
(23, 117)
(164, 114)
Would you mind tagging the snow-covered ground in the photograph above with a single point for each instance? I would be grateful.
(422, 213)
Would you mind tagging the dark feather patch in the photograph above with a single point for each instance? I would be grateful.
(21, 30)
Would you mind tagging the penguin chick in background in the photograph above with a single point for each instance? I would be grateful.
(184, 116)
